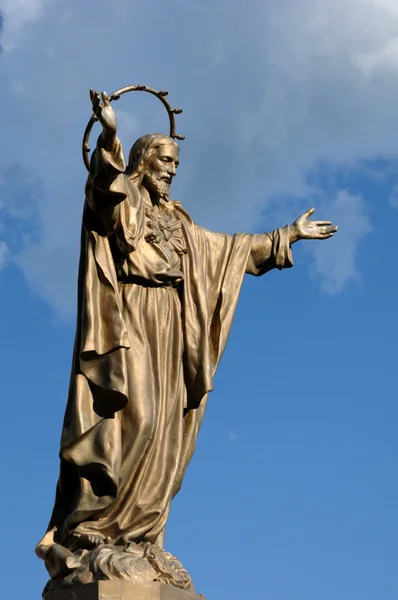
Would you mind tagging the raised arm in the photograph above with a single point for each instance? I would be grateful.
(106, 116)
(106, 184)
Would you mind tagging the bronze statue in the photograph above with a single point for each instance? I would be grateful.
(157, 294)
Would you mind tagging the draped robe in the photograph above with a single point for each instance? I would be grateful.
(156, 300)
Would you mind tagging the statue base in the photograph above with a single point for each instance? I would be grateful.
(122, 590)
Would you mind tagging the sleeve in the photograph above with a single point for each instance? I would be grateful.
(270, 251)
(106, 183)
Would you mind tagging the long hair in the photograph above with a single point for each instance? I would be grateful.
(142, 151)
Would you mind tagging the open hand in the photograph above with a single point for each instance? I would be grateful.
(304, 229)
(104, 112)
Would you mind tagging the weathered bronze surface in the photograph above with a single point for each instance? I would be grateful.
(157, 295)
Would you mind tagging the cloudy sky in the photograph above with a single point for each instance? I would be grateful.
(287, 104)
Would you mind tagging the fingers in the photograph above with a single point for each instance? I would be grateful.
(304, 216)
(330, 228)
(95, 100)
(321, 236)
(320, 223)
(325, 233)
(94, 95)
(307, 214)
(321, 233)
(327, 230)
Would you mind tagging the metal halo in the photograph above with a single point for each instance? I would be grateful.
(115, 96)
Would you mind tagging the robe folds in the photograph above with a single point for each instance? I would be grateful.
(156, 299)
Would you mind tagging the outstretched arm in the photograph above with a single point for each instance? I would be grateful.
(273, 250)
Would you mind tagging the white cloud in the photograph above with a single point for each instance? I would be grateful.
(17, 14)
(394, 197)
(4, 253)
(269, 89)
(386, 57)
(334, 263)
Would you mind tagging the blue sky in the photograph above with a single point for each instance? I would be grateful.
(293, 489)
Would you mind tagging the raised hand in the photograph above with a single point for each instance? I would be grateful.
(304, 229)
(104, 112)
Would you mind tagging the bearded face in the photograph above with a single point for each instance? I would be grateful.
(156, 186)
(161, 168)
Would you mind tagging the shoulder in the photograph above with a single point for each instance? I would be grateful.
(176, 207)
(175, 204)
(133, 194)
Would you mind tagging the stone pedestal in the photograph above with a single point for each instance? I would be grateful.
(122, 590)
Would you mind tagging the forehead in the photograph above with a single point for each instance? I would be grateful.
(170, 150)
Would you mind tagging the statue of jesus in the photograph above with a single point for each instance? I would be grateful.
(157, 295)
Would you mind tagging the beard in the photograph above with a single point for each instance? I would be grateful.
(157, 186)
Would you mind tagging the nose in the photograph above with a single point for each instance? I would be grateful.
(171, 169)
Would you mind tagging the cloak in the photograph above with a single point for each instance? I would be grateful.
(93, 442)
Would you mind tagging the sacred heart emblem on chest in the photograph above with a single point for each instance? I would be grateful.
(165, 229)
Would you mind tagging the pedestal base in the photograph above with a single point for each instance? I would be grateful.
(122, 590)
